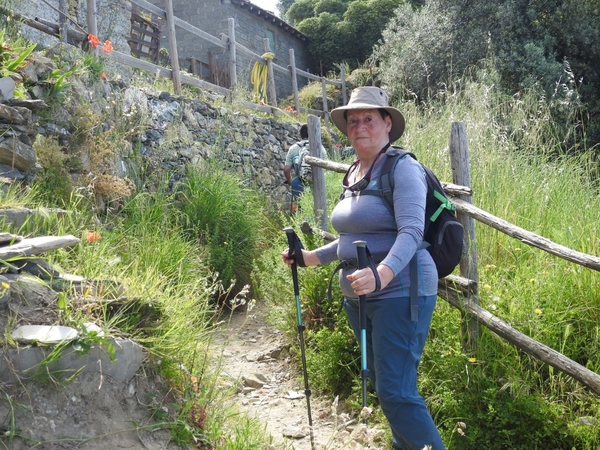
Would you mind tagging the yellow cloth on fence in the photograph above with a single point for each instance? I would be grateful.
(258, 77)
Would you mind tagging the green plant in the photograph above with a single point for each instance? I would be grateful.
(227, 217)
(13, 55)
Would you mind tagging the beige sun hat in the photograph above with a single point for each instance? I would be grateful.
(369, 97)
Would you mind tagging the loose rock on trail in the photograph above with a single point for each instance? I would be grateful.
(255, 357)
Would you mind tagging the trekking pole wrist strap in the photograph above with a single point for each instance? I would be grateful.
(373, 268)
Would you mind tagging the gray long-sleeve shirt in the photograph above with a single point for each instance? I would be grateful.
(395, 239)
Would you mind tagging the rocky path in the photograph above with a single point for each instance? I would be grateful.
(255, 355)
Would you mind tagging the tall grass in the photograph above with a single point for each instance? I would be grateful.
(164, 299)
(229, 219)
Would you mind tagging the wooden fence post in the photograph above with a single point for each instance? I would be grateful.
(343, 80)
(318, 175)
(62, 21)
(176, 78)
(292, 68)
(91, 17)
(271, 76)
(459, 161)
(232, 55)
(324, 95)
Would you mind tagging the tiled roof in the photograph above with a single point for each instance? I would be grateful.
(269, 17)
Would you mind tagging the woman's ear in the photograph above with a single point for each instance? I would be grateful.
(388, 123)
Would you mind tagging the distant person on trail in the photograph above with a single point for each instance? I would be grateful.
(395, 332)
(298, 174)
(292, 163)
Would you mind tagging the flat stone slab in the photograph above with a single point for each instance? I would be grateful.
(43, 334)
(116, 357)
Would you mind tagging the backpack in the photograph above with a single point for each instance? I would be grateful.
(302, 169)
(443, 234)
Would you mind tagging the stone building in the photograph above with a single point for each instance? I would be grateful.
(196, 55)
(252, 25)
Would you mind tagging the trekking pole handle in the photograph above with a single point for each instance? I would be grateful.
(361, 254)
(291, 237)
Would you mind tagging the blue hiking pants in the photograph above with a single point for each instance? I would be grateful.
(394, 348)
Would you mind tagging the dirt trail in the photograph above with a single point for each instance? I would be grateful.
(255, 356)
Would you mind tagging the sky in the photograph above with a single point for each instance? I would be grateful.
(269, 5)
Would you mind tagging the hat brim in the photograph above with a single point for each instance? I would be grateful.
(398, 122)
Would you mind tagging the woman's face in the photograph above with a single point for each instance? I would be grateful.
(367, 130)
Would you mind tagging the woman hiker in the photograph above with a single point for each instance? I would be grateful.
(394, 341)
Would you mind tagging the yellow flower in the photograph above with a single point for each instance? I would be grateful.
(472, 360)
(538, 311)
(487, 287)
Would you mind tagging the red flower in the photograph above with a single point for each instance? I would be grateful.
(103, 76)
(94, 41)
(92, 236)
(107, 48)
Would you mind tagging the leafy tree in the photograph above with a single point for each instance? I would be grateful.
(327, 40)
(552, 45)
(301, 10)
(337, 7)
(332, 40)
(366, 21)
(283, 6)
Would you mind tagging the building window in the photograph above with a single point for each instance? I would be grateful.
(271, 37)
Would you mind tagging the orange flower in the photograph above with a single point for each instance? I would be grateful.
(92, 236)
(107, 48)
(94, 41)
(103, 76)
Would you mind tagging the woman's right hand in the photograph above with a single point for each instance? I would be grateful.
(286, 259)
(310, 258)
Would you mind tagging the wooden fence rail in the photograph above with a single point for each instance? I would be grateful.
(461, 291)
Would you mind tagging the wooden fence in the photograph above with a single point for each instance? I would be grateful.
(462, 291)
(70, 32)
(228, 42)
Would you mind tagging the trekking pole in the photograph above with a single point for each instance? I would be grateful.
(295, 249)
(361, 255)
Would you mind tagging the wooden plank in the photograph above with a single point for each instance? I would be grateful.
(294, 79)
(173, 55)
(37, 245)
(91, 17)
(459, 161)
(527, 237)
(161, 71)
(232, 54)
(317, 78)
(318, 184)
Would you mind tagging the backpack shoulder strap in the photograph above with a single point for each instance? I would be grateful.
(386, 178)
